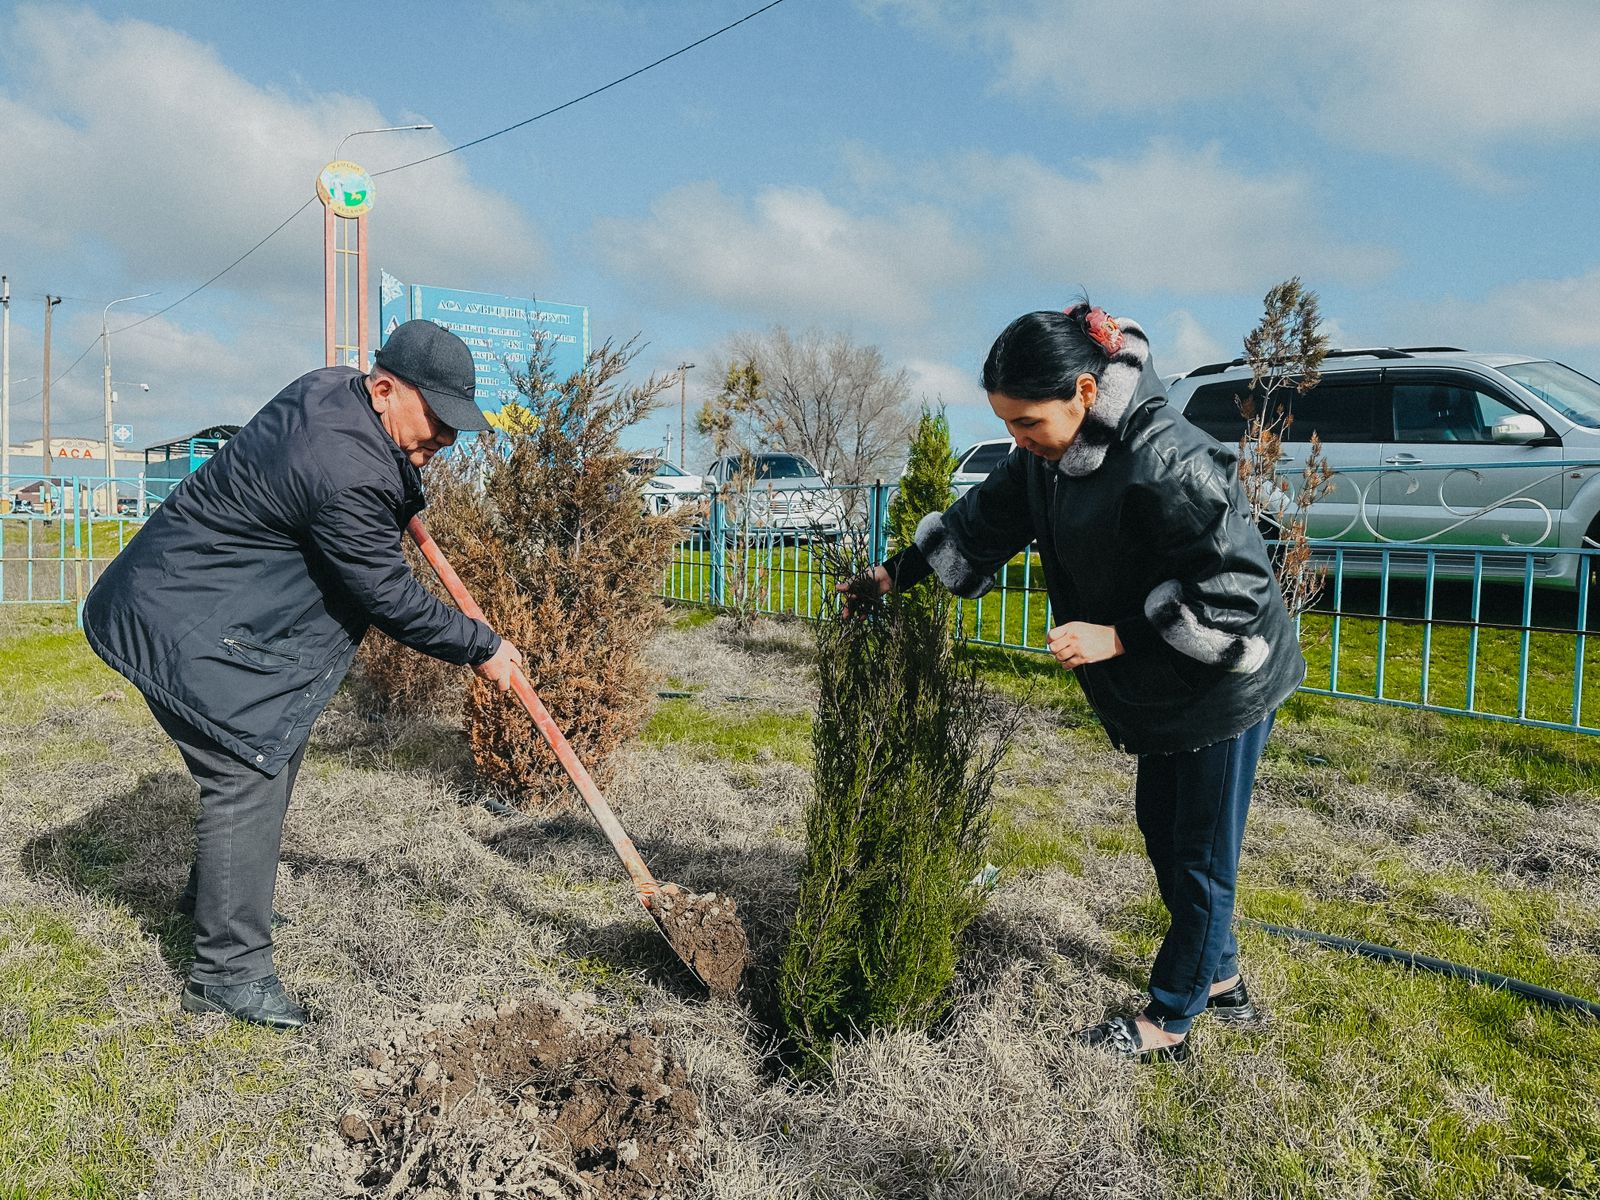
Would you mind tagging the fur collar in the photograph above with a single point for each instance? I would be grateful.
(1122, 380)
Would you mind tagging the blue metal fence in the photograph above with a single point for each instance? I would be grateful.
(57, 533)
(1487, 630)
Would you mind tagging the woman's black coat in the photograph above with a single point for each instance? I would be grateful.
(1143, 525)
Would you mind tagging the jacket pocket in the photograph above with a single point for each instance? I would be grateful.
(1143, 680)
(256, 656)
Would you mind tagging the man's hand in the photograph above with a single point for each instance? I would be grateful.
(497, 669)
(1078, 642)
(860, 591)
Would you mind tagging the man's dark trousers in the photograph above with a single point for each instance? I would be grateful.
(1191, 808)
(238, 835)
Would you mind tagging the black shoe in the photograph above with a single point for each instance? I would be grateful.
(185, 906)
(1233, 1007)
(1120, 1036)
(261, 1002)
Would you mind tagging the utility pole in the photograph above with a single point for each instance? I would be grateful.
(683, 413)
(5, 386)
(50, 303)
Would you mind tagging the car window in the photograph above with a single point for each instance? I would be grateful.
(984, 459)
(1445, 412)
(666, 469)
(1337, 410)
(1575, 396)
(783, 466)
(1215, 408)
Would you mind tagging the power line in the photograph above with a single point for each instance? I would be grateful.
(587, 95)
(417, 163)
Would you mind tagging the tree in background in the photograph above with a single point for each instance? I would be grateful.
(1285, 352)
(817, 394)
(925, 487)
(906, 746)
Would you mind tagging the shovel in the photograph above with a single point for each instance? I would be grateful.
(644, 883)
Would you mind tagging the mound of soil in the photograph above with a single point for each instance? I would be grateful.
(706, 932)
(523, 1100)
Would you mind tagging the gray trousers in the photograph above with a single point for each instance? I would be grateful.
(237, 838)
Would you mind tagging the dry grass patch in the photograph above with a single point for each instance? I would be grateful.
(406, 893)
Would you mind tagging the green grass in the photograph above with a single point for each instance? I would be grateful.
(737, 738)
(68, 1065)
(46, 662)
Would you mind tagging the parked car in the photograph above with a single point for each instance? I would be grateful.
(1433, 444)
(975, 462)
(787, 494)
(127, 506)
(666, 488)
(24, 506)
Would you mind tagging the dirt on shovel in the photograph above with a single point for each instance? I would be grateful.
(706, 932)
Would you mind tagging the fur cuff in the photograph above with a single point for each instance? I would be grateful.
(1176, 622)
(955, 570)
(1119, 380)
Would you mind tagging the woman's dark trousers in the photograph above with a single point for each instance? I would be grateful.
(1191, 809)
(237, 838)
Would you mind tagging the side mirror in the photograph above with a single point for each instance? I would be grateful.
(1517, 430)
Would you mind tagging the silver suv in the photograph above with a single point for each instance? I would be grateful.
(1435, 445)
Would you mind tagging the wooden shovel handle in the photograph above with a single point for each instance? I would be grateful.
(644, 883)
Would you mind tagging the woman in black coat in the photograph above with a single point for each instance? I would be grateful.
(1165, 607)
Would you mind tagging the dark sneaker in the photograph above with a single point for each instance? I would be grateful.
(1233, 1007)
(1120, 1036)
(185, 907)
(261, 1002)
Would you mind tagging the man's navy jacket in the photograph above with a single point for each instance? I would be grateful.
(240, 604)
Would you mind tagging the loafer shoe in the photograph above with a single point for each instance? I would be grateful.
(1120, 1036)
(260, 1002)
(1234, 1007)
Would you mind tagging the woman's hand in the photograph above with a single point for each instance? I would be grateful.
(1078, 642)
(861, 590)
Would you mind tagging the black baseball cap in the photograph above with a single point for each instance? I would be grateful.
(438, 364)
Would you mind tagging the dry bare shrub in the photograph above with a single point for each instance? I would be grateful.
(566, 563)
(1285, 350)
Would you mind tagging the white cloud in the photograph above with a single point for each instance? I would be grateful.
(129, 141)
(789, 253)
(1532, 316)
(1442, 81)
(1188, 345)
(942, 382)
(136, 160)
(1171, 219)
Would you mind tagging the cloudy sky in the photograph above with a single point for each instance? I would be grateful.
(915, 172)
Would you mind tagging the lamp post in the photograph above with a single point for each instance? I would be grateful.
(105, 341)
(385, 129)
(5, 387)
(683, 410)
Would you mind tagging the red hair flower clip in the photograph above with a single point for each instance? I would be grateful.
(1104, 330)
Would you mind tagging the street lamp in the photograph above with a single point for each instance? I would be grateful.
(105, 338)
(385, 129)
(683, 419)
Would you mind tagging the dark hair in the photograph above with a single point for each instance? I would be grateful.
(1039, 356)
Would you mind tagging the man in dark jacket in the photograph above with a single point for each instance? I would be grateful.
(240, 605)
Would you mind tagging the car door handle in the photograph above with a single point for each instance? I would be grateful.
(1404, 460)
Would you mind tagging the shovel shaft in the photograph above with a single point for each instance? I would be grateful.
(643, 881)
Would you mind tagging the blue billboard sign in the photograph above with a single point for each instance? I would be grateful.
(501, 331)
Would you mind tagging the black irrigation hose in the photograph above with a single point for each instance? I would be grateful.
(1439, 966)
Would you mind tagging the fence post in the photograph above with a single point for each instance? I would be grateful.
(877, 521)
(715, 533)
